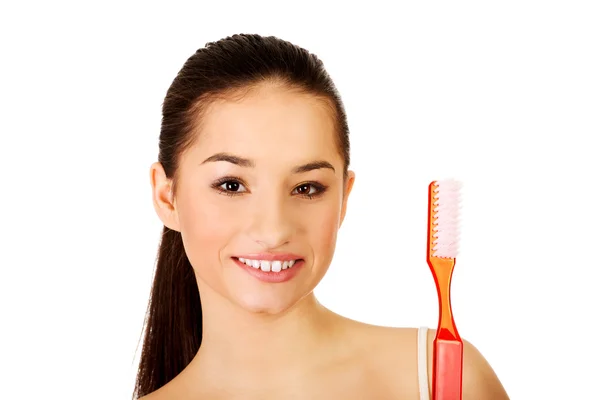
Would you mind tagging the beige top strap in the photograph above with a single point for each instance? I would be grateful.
(422, 364)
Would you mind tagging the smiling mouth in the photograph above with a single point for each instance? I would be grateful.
(268, 266)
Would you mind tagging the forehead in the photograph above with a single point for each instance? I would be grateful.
(270, 121)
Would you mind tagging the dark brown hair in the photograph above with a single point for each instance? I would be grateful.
(173, 323)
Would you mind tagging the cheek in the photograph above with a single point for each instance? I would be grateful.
(323, 235)
(206, 228)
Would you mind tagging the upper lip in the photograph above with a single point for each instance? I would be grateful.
(270, 256)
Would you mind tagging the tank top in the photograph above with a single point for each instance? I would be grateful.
(422, 364)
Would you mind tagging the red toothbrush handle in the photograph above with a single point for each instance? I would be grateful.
(448, 363)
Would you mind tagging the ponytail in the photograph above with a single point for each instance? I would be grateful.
(173, 324)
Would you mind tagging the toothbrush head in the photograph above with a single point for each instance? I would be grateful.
(444, 207)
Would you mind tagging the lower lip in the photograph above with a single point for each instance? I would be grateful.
(271, 277)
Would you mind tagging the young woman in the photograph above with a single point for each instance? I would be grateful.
(252, 184)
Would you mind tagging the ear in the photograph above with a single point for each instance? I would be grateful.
(347, 189)
(162, 197)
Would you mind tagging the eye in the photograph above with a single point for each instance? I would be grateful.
(306, 189)
(309, 190)
(230, 186)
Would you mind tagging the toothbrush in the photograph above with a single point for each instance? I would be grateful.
(442, 249)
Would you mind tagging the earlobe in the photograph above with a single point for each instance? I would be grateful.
(162, 197)
(349, 184)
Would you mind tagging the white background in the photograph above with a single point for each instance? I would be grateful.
(504, 96)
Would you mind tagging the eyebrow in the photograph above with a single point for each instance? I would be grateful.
(244, 162)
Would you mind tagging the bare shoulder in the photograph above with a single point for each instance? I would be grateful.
(167, 392)
(151, 396)
(159, 394)
(174, 389)
(480, 382)
(394, 352)
(479, 379)
(391, 353)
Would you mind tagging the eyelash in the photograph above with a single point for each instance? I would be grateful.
(320, 189)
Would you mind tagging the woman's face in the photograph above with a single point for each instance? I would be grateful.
(264, 183)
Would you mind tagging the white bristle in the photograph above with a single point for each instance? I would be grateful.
(446, 210)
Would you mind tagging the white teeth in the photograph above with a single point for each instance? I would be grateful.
(276, 266)
(267, 266)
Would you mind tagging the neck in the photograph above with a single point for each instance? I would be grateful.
(246, 348)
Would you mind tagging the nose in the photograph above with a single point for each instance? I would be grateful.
(272, 223)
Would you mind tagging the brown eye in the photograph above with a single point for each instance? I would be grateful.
(231, 186)
(310, 190)
(304, 189)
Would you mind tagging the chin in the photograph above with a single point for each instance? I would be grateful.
(266, 303)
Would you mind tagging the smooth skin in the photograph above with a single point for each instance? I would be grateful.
(274, 340)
